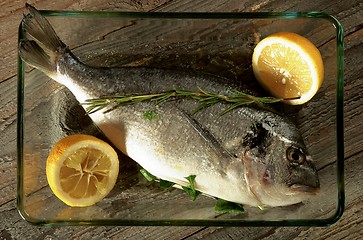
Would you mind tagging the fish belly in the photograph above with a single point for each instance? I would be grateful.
(171, 149)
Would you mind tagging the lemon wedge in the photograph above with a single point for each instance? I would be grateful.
(289, 66)
(81, 170)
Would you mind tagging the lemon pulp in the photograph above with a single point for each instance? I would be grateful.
(82, 170)
(288, 66)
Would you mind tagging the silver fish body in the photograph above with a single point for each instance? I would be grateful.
(248, 155)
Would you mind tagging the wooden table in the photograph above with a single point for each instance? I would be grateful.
(348, 12)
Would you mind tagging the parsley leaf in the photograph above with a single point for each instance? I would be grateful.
(151, 115)
(192, 192)
(150, 178)
(147, 175)
(223, 206)
(165, 184)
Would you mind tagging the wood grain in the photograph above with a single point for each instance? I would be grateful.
(349, 13)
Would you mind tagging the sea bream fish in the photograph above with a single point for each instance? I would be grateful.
(248, 155)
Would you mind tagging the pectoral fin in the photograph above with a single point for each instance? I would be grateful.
(222, 154)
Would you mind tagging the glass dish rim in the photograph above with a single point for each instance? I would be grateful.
(204, 222)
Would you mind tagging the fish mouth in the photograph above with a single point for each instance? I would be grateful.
(305, 189)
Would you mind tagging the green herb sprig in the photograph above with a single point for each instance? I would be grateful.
(151, 115)
(192, 192)
(149, 177)
(190, 189)
(223, 206)
(206, 99)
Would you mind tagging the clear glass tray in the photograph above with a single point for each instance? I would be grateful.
(219, 43)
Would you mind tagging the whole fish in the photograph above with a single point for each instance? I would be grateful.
(248, 155)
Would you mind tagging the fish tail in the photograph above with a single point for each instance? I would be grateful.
(41, 46)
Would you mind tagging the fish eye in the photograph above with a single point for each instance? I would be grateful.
(295, 155)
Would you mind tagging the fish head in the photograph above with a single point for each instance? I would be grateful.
(278, 168)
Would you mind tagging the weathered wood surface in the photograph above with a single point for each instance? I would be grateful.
(349, 13)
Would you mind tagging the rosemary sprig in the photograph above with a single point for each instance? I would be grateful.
(206, 99)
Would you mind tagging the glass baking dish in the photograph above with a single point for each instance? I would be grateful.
(218, 43)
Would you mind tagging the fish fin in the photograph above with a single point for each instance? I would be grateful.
(40, 29)
(42, 46)
(33, 54)
(209, 137)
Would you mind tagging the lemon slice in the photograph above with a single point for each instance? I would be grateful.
(288, 66)
(82, 169)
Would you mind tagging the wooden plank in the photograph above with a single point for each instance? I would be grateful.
(353, 94)
(10, 19)
(349, 227)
